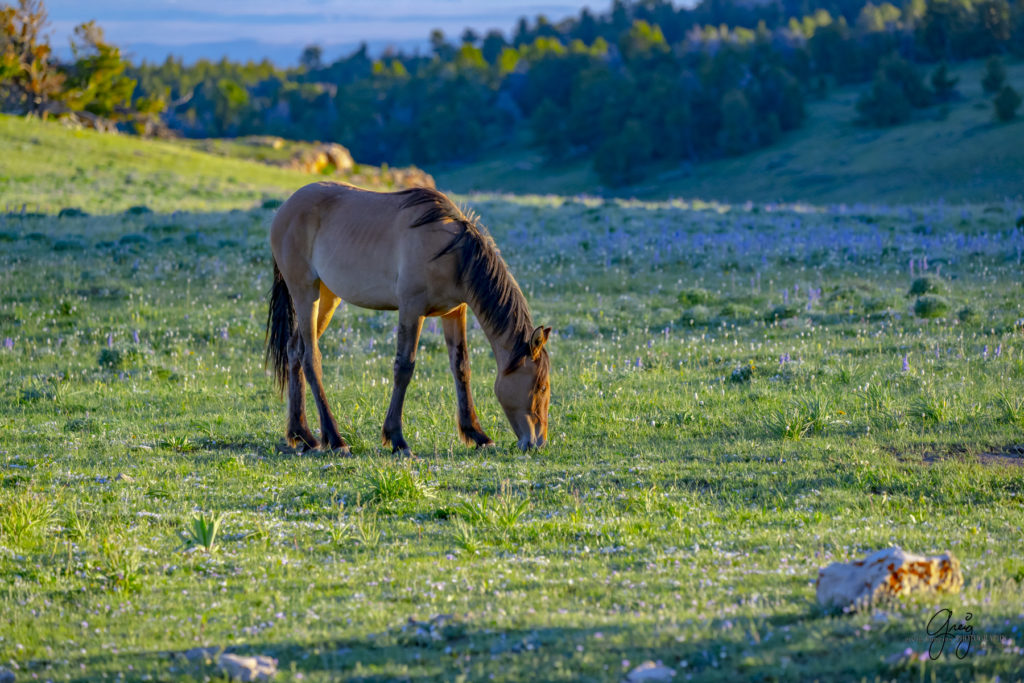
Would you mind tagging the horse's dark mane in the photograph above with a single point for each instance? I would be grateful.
(495, 295)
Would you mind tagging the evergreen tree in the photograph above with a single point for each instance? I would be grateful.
(943, 84)
(995, 75)
(96, 82)
(549, 130)
(1006, 103)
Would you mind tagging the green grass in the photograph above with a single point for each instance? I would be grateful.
(45, 167)
(702, 466)
(954, 151)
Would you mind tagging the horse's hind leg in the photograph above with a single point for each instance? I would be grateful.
(409, 326)
(306, 316)
(298, 432)
(470, 431)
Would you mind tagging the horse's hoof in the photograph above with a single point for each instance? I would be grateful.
(341, 451)
(485, 444)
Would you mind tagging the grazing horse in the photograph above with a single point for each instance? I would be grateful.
(415, 252)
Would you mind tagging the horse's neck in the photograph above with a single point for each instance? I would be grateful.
(503, 341)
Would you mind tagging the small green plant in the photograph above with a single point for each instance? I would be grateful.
(1011, 409)
(394, 487)
(24, 520)
(464, 536)
(788, 424)
(508, 511)
(202, 531)
(932, 409)
(181, 444)
(368, 531)
(76, 523)
(742, 373)
(818, 412)
(931, 306)
(475, 512)
(120, 566)
(341, 530)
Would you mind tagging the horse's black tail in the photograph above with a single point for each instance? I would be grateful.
(280, 325)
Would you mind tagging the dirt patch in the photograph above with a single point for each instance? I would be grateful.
(1007, 456)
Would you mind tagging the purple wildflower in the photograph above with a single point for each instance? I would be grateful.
(8, 343)
(135, 336)
(984, 353)
(999, 350)
(110, 340)
(906, 363)
(785, 296)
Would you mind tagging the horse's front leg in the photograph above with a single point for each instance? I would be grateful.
(470, 431)
(409, 326)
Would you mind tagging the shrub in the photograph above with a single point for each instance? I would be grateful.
(942, 84)
(927, 284)
(781, 312)
(931, 306)
(995, 75)
(694, 295)
(1006, 104)
(967, 315)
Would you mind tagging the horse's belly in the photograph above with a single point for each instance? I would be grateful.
(363, 291)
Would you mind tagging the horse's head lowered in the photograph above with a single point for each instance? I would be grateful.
(524, 392)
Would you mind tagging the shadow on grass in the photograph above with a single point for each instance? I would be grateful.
(765, 649)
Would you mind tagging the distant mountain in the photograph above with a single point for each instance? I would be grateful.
(281, 54)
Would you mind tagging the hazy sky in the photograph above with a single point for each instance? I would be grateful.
(296, 22)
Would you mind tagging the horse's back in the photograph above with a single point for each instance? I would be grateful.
(358, 243)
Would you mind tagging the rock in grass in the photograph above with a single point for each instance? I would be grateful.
(240, 668)
(888, 573)
(201, 654)
(649, 672)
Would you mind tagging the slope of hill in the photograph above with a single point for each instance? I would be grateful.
(954, 151)
(45, 167)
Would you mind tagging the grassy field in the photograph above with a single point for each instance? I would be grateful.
(45, 167)
(954, 151)
(741, 394)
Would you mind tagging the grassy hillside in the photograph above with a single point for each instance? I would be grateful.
(45, 167)
(955, 152)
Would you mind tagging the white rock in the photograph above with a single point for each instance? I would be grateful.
(888, 573)
(258, 668)
(650, 672)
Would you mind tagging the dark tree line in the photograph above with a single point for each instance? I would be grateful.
(642, 85)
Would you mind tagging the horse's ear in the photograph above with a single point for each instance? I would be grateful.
(538, 339)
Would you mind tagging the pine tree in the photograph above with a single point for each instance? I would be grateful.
(995, 75)
(96, 81)
(1006, 103)
(943, 85)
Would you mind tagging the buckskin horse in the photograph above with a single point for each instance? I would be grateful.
(412, 251)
